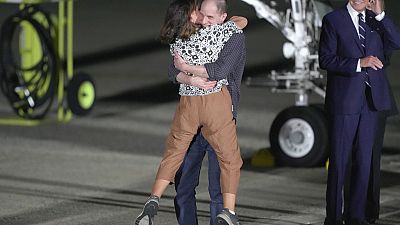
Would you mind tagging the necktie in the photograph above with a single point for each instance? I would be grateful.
(362, 29)
(362, 34)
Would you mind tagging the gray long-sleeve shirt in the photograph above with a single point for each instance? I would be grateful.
(230, 65)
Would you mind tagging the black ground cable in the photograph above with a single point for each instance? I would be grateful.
(34, 104)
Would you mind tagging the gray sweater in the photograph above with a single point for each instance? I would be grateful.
(230, 65)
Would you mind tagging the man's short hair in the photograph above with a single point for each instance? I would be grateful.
(221, 6)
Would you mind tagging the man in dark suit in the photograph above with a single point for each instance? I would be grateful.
(352, 46)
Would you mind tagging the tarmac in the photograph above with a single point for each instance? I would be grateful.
(99, 169)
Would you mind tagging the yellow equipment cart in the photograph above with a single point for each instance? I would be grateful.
(36, 62)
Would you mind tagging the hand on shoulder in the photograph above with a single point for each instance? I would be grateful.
(240, 21)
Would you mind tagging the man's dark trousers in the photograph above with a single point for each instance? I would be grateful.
(374, 186)
(349, 129)
(187, 179)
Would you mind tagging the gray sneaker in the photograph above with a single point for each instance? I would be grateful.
(146, 217)
(227, 218)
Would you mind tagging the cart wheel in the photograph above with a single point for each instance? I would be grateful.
(81, 94)
(299, 137)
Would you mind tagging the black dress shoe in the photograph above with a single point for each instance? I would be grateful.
(329, 222)
(371, 221)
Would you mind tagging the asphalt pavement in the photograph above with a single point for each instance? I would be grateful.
(99, 169)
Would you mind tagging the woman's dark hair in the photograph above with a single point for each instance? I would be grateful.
(177, 22)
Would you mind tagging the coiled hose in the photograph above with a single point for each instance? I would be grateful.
(30, 91)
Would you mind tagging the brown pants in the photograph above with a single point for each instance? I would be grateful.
(213, 113)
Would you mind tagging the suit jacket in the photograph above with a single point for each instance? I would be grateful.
(339, 52)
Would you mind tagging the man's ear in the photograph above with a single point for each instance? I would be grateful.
(223, 16)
